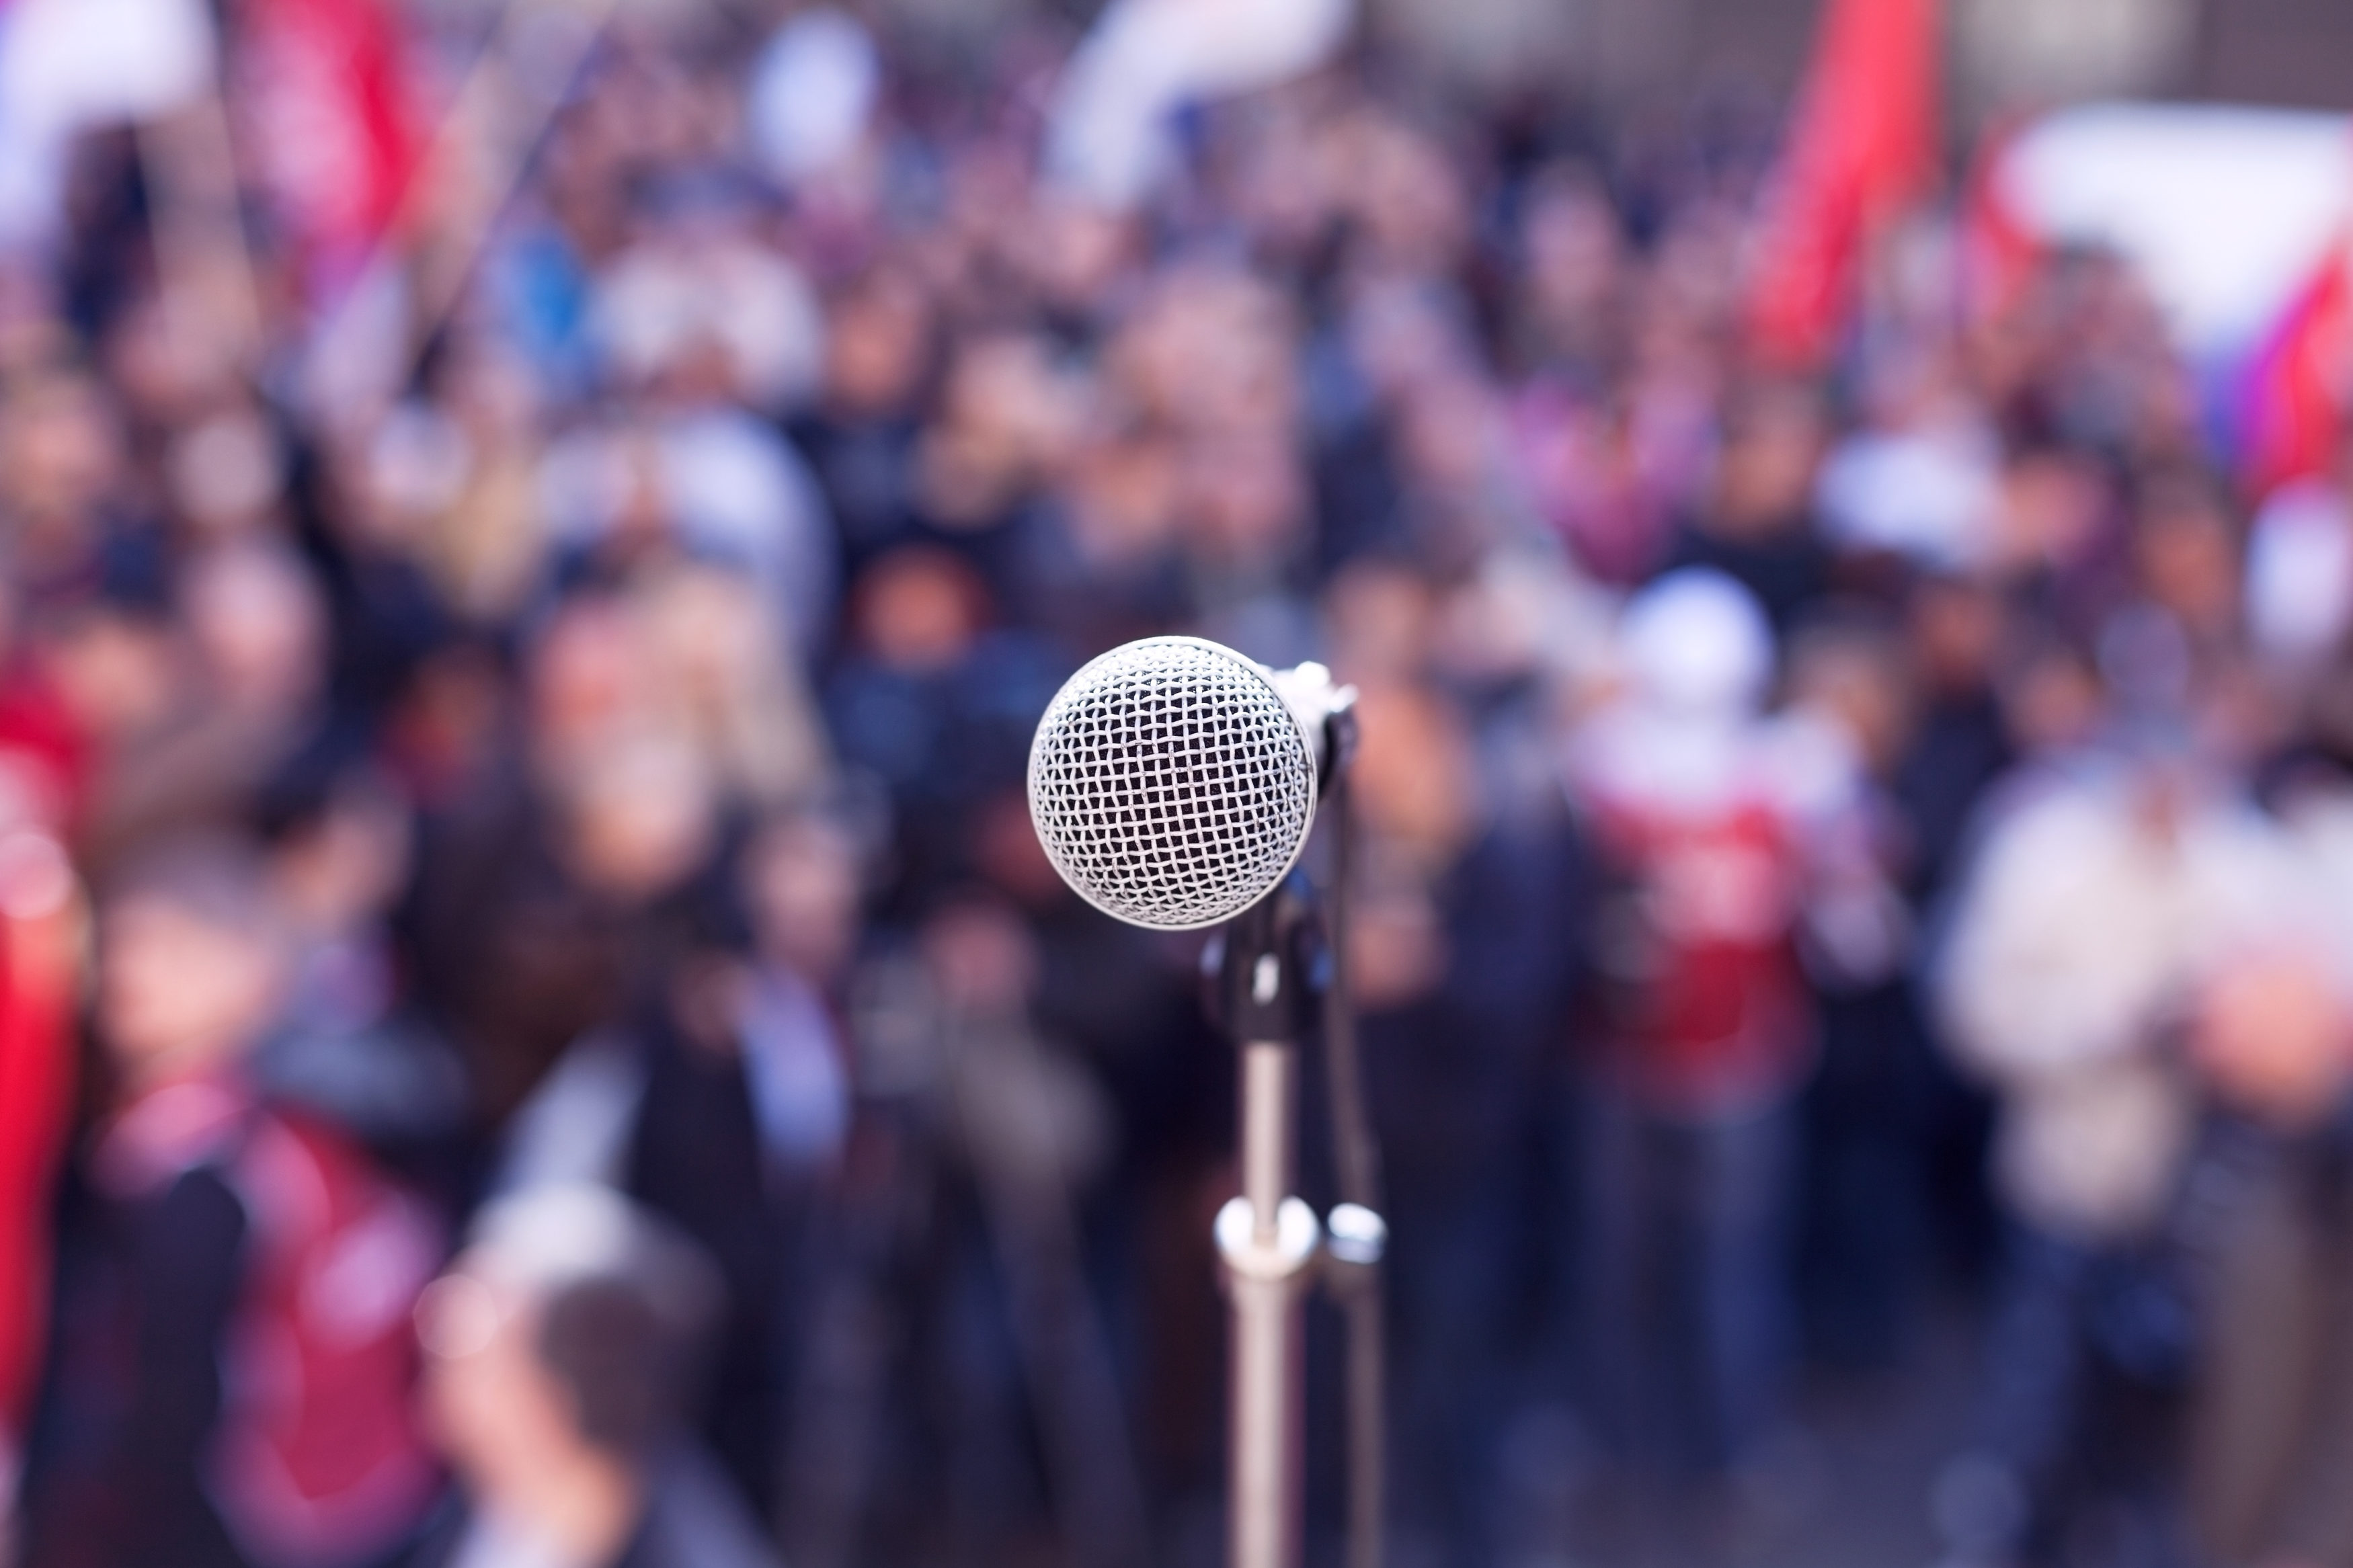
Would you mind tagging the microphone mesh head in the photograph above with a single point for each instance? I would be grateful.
(1170, 784)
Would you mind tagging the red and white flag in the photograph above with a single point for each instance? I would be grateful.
(332, 120)
(1863, 143)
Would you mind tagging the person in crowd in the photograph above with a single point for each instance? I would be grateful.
(803, 876)
(1461, 945)
(1718, 836)
(2268, 1232)
(2100, 901)
(1755, 524)
(984, 1138)
(565, 1352)
(614, 583)
(234, 1371)
(247, 685)
(349, 1042)
(1866, 1110)
(934, 699)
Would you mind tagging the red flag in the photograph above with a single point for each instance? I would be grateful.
(333, 123)
(37, 980)
(1863, 140)
(2293, 409)
(42, 767)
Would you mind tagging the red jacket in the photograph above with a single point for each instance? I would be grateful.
(1706, 1011)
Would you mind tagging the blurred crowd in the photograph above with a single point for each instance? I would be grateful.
(583, 1062)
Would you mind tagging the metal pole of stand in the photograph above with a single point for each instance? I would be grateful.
(1268, 1240)
(1267, 969)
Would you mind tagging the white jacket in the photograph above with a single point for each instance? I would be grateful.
(2086, 927)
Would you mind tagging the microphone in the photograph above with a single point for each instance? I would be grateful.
(1174, 782)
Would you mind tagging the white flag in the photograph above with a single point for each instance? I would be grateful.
(1109, 140)
(68, 65)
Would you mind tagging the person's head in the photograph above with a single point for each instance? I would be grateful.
(640, 814)
(1409, 201)
(1245, 503)
(258, 624)
(2053, 499)
(1007, 413)
(803, 886)
(339, 847)
(1956, 628)
(1208, 350)
(225, 473)
(584, 677)
(2272, 1035)
(1695, 642)
(1573, 244)
(1074, 253)
(571, 1330)
(1448, 436)
(1765, 471)
(116, 666)
(982, 954)
(1121, 492)
(2053, 698)
(58, 435)
(919, 609)
(192, 958)
(2186, 551)
(878, 345)
(1851, 671)
(1379, 617)
(1416, 774)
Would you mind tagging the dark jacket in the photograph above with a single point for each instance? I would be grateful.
(2271, 1433)
(693, 1520)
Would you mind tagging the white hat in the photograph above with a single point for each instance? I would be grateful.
(1695, 641)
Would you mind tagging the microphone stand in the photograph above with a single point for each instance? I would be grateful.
(1267, 1239)
(1268, 976)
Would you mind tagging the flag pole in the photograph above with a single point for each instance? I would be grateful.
(435, 291)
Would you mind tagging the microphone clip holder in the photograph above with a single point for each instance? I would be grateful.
(1265, 971)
